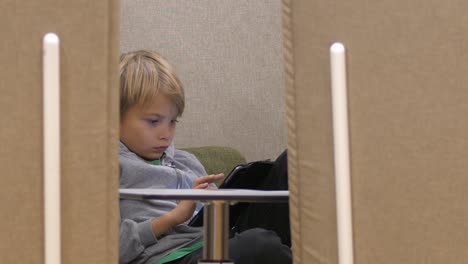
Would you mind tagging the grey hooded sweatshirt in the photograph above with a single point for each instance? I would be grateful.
(178, 170)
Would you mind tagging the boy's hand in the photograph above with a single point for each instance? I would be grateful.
(185, 208)
(203, 182)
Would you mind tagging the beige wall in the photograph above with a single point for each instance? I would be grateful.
(229, 56)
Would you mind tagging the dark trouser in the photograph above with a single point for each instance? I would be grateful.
(252, 246)
(274, 216)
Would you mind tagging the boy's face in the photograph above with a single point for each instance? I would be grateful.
(148, 131)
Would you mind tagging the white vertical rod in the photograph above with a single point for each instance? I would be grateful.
(51, 115)
(341, 153)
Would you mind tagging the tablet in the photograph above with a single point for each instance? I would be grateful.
(243, 176)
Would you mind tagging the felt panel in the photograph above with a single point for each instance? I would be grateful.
(88, 32)
(407, 106)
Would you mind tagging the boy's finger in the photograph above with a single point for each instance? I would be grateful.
(218, 176)
(215, 177)
(202, 186)
(210, 178)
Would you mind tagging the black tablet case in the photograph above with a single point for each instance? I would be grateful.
(243, 176)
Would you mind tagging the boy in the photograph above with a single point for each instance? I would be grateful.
(151, 100)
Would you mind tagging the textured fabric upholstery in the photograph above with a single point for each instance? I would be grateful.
(228, 54)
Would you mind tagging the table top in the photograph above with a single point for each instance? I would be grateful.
(235, 195)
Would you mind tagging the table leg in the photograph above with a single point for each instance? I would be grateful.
(216, 232)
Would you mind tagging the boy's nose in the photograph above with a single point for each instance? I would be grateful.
(165, 132)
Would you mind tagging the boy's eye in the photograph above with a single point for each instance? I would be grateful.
(153, 121)
(174, 121)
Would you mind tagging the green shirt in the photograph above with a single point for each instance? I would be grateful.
(179, 253)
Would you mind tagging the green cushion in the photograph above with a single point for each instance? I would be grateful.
(217, 159)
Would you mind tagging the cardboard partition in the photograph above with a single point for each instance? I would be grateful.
(407, 106)
(89, 51)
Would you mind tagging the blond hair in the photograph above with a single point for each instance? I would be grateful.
(143, 75)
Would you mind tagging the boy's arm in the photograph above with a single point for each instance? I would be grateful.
(188, 162)
(184, 210)
(133, 239)
(168, 220)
